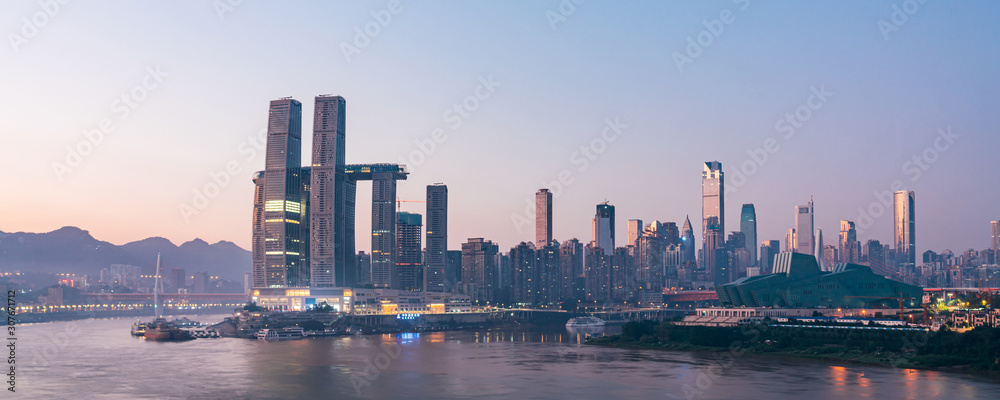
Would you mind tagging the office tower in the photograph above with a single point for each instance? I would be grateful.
(283, 208)
(687, 241)
(748, 226)
(713, 211)
(479, 269)
(824, 264)
(850, 248)
(768, 249)
(790, 240)
(383, 178)
(435, 278)
(525, 275)
(503, 279)
(364, 267)
(571, 264)
(714, 245)
(995, 237)
(453, 270)
(634, 231)
(874, 253)
(650, 258)
(409, 257)
(805, 240)
(669, 231)
(327, 209)
(905, 228)
(178, 279)
(604, 227)
(547, 263)
(305, 194)
(543, 217)
(598, 273)
(257, 270)
(200, 284)
(622, 273)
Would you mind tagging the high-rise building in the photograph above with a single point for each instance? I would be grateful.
(543, 217)
(995, 237)
(257, 270)
(714, 252)
(178, 279)
(598, 275)
(435, 278)
(547, 262)
(713, 212)
(905, 228)
(571, 264)
(604, 228)
(284, 243)
(479, 269)
(805, 239)
(525, 274)
(329, 253)
(790, 240)
(748, 226)
(453, 270)
(409, 257)
(364, 267)
(768, 249)
(687, 241)
(634, 231)
(850, 248)
(874, 253)
(200, 283)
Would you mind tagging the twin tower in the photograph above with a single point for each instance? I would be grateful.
(303, 218)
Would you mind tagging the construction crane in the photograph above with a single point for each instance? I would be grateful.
(900, 298)
(399, 203)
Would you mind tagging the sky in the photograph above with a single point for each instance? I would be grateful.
(139, 119)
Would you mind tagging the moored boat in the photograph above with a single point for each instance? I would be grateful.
(290, 333)
(167, 333)
(583, 322)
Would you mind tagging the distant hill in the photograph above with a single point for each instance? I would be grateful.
(73, 250)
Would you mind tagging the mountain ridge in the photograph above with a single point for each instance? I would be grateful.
(74, 250)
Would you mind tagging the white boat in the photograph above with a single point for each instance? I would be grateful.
(583, 322)
(290, 333)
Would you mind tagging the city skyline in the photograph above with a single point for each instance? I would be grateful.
(855, 121)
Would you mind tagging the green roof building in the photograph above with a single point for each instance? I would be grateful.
(797, 282)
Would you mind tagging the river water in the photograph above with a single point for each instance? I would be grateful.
(99, 359)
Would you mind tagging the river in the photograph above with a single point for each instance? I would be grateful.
(97, 358)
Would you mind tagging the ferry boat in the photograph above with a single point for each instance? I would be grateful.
(583, 322)
(139, 328)
(167, 333)
(290, 333)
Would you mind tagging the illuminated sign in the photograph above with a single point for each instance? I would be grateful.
(408, 316)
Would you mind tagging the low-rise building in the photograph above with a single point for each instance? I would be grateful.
(361, 301)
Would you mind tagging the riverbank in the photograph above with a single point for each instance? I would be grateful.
(976, 351)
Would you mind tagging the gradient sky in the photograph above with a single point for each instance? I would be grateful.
(890, 96)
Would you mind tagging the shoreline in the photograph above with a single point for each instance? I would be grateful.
(965, 369)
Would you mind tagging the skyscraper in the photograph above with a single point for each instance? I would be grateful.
(748, 226)
(634, 231)
(687, 241)
(543, 217)
(329, 254)
(905, 228)
(790, 240)
(995, 237)
(284, 242)
(258, 275)
(479, 269)
(525, 277)
(850, 248)
(768, 249)
(409, 259)
(805, 231)
(604, 228)
(712, 209)
(435, 279)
